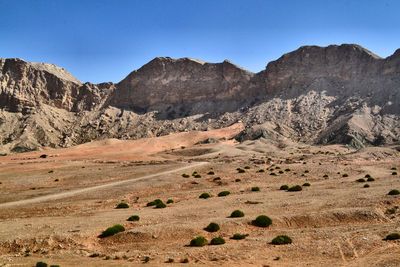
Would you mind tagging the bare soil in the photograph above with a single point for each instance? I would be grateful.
(333, 222)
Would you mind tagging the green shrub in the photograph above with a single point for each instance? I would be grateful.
(367, 176)
(56, 180)
(394, 192)
(262, 221)
(194, 173)
(170, 201)
(237, 180)
(238, 236)
(197, 176)
(41, 264)
(284, 187)
(217, 241)
(247, 167)
(134, 218)
(306, 171)
(237, 213)
(185, 260)
(280, 172)
(295, 188)
(122, 206)
(306, 184)
(393, 169)
(112, 230)
(303, 175)
(223, 193)
(154, 202)
(304, 162)
(345, 175)
(255, 188)
(281, 240)
(287, 170)
(394, 173)
(240, 170)
(212, 227)
(325, 176)
(361, 180)
(170, 260)
(273, 174)
(391, 210)
(147, 258)
(185, 175)
(366, 185)
(210, 173)
(370, 179)
(160, 205)
(260, 170)
(198, 241)
(204, 195)
(392, 236)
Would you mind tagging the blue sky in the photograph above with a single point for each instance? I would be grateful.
(100, 40)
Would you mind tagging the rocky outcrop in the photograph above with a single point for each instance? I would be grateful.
(183, 82)
(335, 94)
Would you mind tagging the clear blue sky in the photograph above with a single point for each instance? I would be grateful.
(101, 40)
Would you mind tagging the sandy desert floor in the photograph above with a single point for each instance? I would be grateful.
(53, 209)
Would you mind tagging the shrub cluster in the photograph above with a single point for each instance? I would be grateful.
(217, 241)
(134, 218)
(223, 193)
(212, 227)
(112, 230)
(237, 214)
(281, 240)
(262, 221)
(198, 241)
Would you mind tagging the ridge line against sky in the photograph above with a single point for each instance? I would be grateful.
(104, 40)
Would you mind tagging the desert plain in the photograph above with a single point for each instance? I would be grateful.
(53, 208)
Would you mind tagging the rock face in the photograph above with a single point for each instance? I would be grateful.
(335, 94)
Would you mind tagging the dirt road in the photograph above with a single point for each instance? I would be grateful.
(92, 188)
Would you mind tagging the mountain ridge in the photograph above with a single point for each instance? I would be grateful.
(334, 94)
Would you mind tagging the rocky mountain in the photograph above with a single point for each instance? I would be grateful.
(336, 94)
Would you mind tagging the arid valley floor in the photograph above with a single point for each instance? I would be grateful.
(53, 209)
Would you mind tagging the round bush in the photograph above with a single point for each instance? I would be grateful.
(394, 192)
(185, 175)
(277, 168)
(255, 188)
(237, 213)
(240, 170)
(370, 179)
(366, 185)
(325, 176)
(295, 188)
(134, 218)
(204, 195)
(247, 167)
(112, 230)
(392, 236)
(262, 221)
(394, 173)
(122, 206)
(284, 187)
(210, 173)
(287, 170)
(238, 236)
(361, 180)
(154, 202)
(160, 205)
(260, 170)
(273, 174)
(198, 241)
(306, 184)
(367, 176)
(217, 241)
(281, 240)
(197, 176)
(345, 175)
(212, 227)
(393, 169)
(41, 264)
(281, 172)
(170, 201)
(306, 171)
(223, 193)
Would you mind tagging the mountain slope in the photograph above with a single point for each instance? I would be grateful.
(335, 94)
